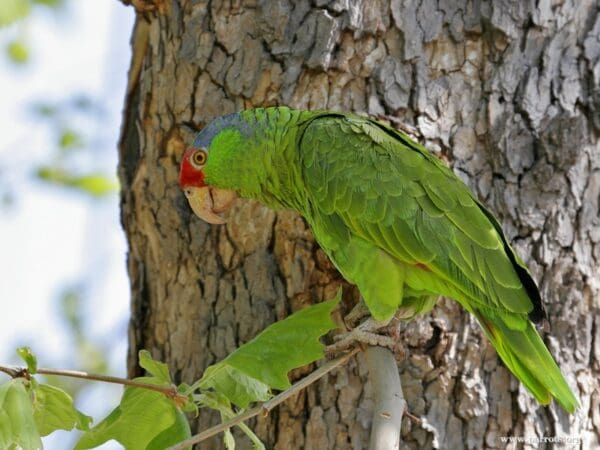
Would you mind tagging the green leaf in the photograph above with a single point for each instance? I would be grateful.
(285, 345)
(17, 52)
(158, 370)
(13, 10)
(236, 386)
(69, 140)
(17, 424)
(95, 184)
(143, 420)
(214, 400)
(27, 355)
(53, 410)
(247, 374)
(176, 433)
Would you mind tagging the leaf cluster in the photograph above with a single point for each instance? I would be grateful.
(152, 414)
(30, 410)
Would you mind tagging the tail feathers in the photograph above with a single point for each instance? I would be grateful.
(527, 357)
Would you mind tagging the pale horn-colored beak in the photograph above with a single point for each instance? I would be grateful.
(208, 202)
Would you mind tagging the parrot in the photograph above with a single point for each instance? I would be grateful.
(392, 217)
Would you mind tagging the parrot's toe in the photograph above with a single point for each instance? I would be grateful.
(357, 315)
(366, 333)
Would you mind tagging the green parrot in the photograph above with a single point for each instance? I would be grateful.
(393, 219)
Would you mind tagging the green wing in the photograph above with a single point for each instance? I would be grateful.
(390, 192)
(375, 195)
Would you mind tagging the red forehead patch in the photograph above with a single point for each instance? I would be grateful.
(188, 175)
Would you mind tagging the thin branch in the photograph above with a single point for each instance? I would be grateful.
(13, 373)
(267, 406)
(389, 399)
(169, 391)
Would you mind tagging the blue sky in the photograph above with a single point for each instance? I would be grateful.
(50, 237)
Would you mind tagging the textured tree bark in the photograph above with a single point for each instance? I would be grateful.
(507, 92)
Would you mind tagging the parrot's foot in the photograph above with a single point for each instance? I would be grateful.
(357, 315)
(366, 334)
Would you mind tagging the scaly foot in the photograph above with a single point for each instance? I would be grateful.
(357, 315)
(365, 333)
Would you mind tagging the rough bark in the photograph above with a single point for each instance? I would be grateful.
(507, 92)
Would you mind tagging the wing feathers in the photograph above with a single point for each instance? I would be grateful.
(405, 201)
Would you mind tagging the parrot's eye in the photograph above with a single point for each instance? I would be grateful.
(199, 158)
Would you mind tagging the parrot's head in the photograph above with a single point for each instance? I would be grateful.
(206, 168)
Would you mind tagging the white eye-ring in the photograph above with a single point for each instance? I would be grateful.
(199, 158)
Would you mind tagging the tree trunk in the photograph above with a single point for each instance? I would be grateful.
(507, 92)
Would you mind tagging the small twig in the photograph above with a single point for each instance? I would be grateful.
(267, 406)
(10, 372)
(389, 399)
(169, 391)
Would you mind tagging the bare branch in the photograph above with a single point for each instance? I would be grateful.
(266, 407)
(13, 373)
(389, 399)
(169, 391)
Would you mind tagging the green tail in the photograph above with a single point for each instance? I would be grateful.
(527, 357)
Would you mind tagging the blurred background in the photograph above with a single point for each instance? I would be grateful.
(63, 282)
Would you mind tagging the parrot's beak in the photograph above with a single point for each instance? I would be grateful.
(208, 202)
